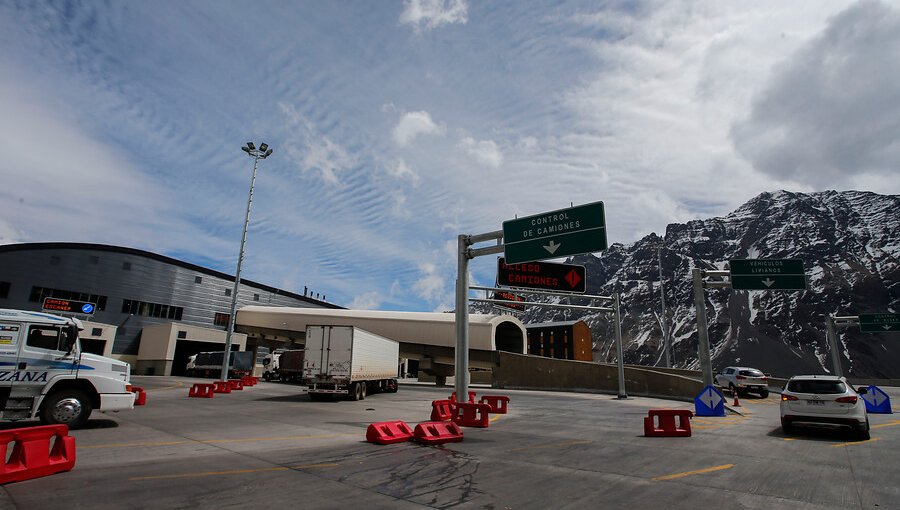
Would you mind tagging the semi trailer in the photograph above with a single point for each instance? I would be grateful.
(350, 362)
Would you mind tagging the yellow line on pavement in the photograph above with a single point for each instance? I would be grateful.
(214, 441)
(888, 424)
(550, 445)
(841, 445)
(230, 472)
(697, 472)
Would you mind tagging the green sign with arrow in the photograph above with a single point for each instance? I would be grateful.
(879, 322)
(767, 274)
(555, 234)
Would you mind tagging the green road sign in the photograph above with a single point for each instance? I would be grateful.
(767, 274)
(555, 234)
(879, 322)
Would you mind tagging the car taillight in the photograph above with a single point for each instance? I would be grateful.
(740, 378)
(788, 398)
(764, 378)
(846, 400)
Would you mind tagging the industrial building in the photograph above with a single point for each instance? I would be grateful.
(150, 310)
(570, 340)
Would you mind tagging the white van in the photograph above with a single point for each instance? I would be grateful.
(44, 374)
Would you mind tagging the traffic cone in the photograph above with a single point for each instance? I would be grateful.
(736, 403)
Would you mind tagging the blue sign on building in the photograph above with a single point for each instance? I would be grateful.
(877, 401)
(87, 308)
(710, 402)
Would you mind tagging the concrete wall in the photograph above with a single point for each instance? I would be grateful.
(517, 371)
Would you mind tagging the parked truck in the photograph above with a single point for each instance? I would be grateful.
(209, 364)
(290, 366)
(45, 374)
(349, 361)
(271, 365)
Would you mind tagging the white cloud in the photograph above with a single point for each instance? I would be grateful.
(485, 152)
(430, 14)
(366, 301)
(829, 113)
(430, 285)
(413, 124)
(312, 151)
(401, 170)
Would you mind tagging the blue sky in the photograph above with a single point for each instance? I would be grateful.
(397, 125)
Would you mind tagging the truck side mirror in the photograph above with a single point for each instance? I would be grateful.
(71, 338)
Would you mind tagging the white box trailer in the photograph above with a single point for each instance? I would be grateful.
(349, 361)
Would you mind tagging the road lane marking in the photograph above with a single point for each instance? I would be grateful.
(230, 472)
(841, 445)
(550, 445)
(893, 423)
(696, 472)
(213, 441)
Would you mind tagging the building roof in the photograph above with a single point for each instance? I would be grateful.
(552, 324)
(10, 248)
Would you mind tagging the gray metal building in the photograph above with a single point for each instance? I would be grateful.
(131, 288)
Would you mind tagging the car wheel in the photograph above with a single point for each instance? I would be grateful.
(70, 407)
(862, 432)
(764, 394)
(787, 426)
(732, 389)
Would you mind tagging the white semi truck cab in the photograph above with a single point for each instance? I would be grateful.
(45, 375)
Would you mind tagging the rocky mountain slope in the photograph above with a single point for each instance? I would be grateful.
(850, 245)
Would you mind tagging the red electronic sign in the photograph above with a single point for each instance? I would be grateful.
(542, 275)
(512, 298)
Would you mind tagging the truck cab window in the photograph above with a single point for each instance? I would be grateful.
(45, 337)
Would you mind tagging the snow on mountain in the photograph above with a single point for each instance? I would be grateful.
(849, 242)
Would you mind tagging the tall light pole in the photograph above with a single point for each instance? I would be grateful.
(663, 320)
(257, 154)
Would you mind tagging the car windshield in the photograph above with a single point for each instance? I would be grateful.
(751, 373)
(817, 386)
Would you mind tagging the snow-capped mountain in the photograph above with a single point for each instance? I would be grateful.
(850, 245)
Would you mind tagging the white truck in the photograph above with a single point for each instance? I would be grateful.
(44, 374)
(349, 361)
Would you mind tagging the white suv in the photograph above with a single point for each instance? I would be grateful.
(824, 399)
(743, 380)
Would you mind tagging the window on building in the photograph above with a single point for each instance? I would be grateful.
(96, 331)
(182, 335)
(39, 293)
(4, 290)
(221, 319)
(126, 266)
(227, 292)
(256, 297)
(198, 279)
(158, 310)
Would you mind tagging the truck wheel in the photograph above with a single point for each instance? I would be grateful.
(69, 407)
(362, 390)
(392, 386)
(267, 377)
(354, 391)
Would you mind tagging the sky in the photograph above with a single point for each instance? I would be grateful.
(396, 126)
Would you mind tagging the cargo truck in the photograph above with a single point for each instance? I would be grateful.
(209, 364)
(290, 366)
(45, 374)
(349, 361)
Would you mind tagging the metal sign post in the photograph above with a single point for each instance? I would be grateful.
(868, 323)
(702, 328)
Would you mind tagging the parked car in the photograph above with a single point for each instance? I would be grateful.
(823, 399)
(744, 380)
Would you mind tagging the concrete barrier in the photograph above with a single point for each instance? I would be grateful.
(521, 371)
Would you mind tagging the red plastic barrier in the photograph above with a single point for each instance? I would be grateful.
(201, 390)
(498, 403)
(388, 432)
(32, 456)
(437, 432)
(222, 387)
(441, 410)
(140, 397)
(471, 397)
(236, 384)
(249, 380)
(467, 414)
(667, 426)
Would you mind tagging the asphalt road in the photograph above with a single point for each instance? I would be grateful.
(270, 447)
